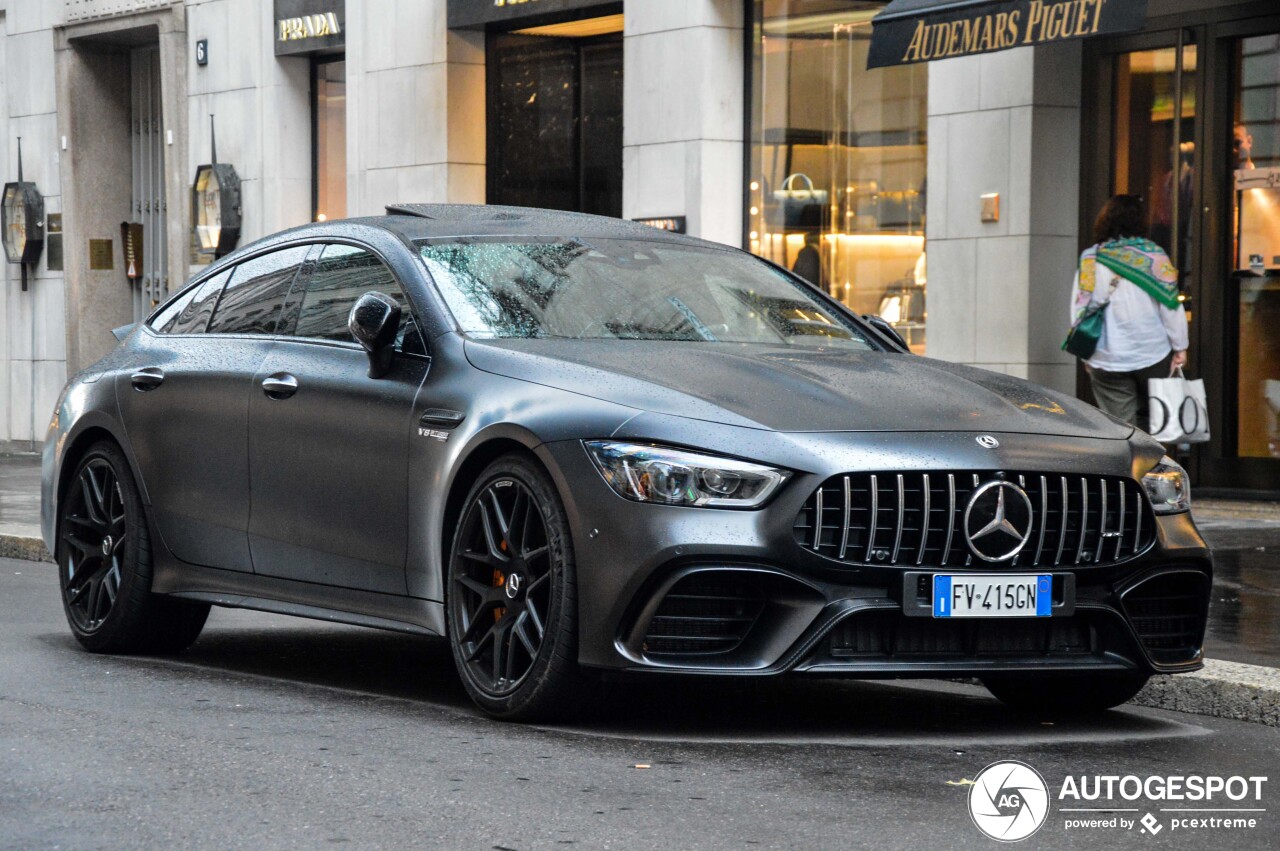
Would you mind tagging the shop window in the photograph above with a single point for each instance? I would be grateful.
(836, 189)
(1255, 168)
(329, 122)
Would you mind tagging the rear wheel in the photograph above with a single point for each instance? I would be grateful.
(104, 564)
(511, 595)
(1064, 694)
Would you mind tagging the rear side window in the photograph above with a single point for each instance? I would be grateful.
(251, 303)
(342, 275)
(190, 314)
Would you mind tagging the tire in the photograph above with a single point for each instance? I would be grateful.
(1064, 694)
(103, 553)
(511, 596)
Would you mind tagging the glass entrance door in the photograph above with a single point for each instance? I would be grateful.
(1154, 147)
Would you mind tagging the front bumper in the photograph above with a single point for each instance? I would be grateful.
(702, 591)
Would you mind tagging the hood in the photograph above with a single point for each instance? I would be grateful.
(794, 389)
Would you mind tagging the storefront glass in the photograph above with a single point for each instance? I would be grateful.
(836, 190)
(1255, 165)
(329, 109)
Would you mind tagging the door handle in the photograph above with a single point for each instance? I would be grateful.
(147, 378)
(280, 385)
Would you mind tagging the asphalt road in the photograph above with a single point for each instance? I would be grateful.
(274, 732)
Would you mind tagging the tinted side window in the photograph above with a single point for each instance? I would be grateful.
(342, 275)
(190, 314)
(251, 302)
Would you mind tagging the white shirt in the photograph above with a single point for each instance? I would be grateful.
(1137, 331)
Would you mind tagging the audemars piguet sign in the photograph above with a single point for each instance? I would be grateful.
(309, 26)
(909, 31)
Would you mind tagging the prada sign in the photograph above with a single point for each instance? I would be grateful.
(910, 31)
(510, 14)
(309, 26)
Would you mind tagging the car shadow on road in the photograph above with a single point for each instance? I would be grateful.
(420, 672)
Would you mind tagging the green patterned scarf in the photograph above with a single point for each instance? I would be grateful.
(1145, 264)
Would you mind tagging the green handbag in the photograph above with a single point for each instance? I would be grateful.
(1082, 339)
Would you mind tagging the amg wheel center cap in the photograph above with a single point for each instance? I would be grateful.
(514, 583)
(997, 521)
(107, 543)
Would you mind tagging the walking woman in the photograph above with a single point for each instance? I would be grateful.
(1144, 327)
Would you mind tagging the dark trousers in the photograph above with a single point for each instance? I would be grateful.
(1123, 395)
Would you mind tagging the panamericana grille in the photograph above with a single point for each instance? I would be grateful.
(1168, 613)
(891, 635)
(706, 612)
(917, 518)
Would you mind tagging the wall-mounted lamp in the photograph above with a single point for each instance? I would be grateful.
(22, 217)
(215, 203)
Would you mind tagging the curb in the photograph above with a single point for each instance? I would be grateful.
(1219, 690)
(22, 547)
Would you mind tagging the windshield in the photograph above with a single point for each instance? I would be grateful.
(627, 289)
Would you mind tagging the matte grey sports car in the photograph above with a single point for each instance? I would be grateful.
(573, 444)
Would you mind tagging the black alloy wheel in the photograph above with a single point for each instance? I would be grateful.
(512, 621)
(95, 528)
(104, 564)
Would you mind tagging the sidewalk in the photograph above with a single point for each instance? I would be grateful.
(20, 508)
(1241, 680)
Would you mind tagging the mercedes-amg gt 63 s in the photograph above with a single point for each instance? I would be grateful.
(572, 444)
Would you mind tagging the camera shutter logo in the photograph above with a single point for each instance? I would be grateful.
(1008, 801)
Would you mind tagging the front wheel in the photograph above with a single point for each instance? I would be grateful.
(1064, 694)
(104, 564)
(512, 611)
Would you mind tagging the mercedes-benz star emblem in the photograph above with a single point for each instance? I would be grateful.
(997, 521)
(107, 544)
(986, 441)
(513, 585)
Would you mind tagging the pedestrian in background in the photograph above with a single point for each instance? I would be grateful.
(1144, 328)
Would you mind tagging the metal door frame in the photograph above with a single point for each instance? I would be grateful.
(147, 195)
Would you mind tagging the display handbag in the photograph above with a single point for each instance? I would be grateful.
(1082, 339)
(795, 199)
(1177, 409)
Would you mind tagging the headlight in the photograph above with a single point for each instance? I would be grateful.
(678, 477)
(1168, 487)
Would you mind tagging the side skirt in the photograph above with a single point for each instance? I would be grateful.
(235, 590)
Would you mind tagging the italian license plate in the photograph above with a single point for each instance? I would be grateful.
(992, 596)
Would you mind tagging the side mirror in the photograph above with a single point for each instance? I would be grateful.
(880, 324)
(374, 322)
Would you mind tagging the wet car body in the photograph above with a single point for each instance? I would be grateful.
(346, 509)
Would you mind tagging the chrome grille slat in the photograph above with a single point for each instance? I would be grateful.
(1062, 533)
(1102, 526)
(925, 524)
(844, 528)
(1120, 537)
(1110, 506)
(875, 517)
(1044, 517)
(817, 523)
(897, 539)
(1084, 517)
(951, 515)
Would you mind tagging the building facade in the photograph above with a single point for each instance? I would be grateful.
(951, 197)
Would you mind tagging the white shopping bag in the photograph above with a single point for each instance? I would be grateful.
(1177, 409)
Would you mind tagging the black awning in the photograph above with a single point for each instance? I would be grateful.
(909, 31)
